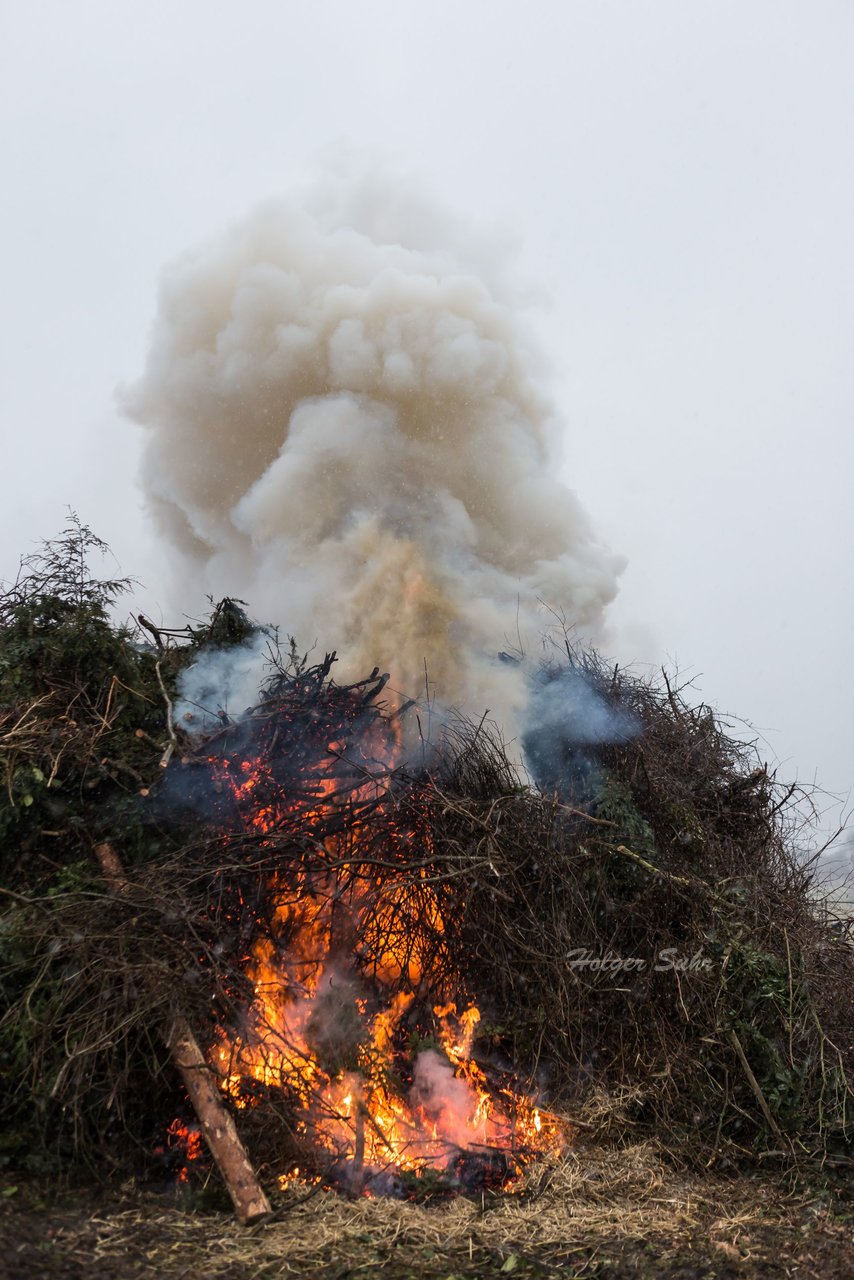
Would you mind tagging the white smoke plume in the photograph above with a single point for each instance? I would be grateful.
(222, 680)
(344, 429)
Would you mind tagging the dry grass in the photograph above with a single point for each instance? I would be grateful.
(595, 1213)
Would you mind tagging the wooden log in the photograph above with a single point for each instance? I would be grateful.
(247, 1195)
(250, 1202)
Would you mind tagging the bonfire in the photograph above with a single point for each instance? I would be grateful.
(334, 940)
(349, 1010)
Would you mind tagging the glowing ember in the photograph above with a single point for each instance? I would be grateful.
(186, 1141)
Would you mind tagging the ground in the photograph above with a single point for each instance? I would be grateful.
(601, 1214)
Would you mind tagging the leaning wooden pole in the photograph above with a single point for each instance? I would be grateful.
(250, 1202)
(217, 1125)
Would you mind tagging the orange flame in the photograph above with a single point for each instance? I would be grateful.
(187, 1140)
(331, 1034)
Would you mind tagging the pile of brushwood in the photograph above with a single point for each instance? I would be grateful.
(638, 926)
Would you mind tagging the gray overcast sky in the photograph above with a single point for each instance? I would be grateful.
(679, 177)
